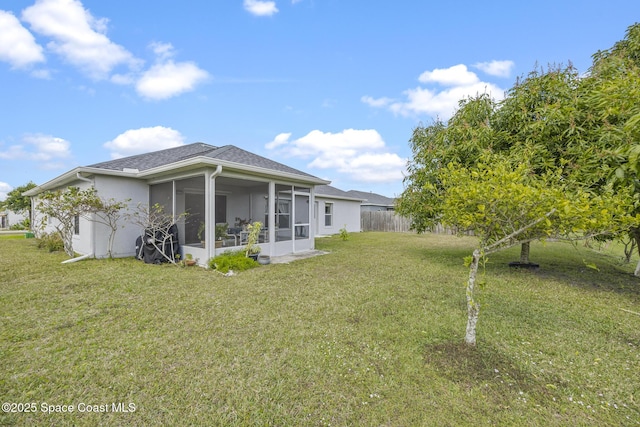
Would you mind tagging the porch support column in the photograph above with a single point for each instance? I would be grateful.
(313, 222)
(210, 210)
(207, 210)
(272, 217)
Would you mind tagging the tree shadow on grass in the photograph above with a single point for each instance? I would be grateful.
(588, 270)
(488, 369)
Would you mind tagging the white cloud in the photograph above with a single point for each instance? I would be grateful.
(260, 8)
(4, 190)
(47, 150)
(143, 140)
(376, 102)
(359, 153)
(78, 36)
(162, 50)
(48, 147)
(169, 79)
(458, 75)
(443, 103)
(459, 83)
(80, 39)
(280, 139)
(496, 68)
(41, 74)
(18, 47)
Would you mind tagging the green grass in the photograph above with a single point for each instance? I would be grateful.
(12, 236)
(370, 334)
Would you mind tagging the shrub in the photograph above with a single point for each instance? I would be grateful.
(344, 234)
(236, 261)
(51, 241)
(22, 225)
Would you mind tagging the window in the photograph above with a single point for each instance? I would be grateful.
(328, 214)
(76, 224)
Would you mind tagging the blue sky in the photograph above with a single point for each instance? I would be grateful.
(331, 87)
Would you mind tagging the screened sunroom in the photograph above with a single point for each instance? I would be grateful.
(218, 209)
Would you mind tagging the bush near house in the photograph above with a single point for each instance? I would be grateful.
(50, 241)
(232, 260)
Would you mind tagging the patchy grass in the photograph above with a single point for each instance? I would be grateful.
(370, 334)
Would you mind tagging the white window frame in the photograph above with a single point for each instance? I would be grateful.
(328, 215)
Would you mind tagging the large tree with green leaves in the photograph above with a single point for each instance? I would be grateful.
(610, 97)
(463, 177)
(538, 164)
(16, 202)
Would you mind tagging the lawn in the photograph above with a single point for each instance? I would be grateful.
(369, 334)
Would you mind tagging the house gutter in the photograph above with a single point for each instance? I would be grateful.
(217, 172)
(82, 178)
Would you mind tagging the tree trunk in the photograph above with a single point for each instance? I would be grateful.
(635, 235)
(473, 307)
(524, 252)
(112, 237)
(67, 240)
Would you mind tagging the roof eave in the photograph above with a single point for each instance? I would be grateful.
(72, 176)
(329, 196)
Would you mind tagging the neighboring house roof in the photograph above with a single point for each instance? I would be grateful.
(189, 156)
(334, 193)
(372, 198)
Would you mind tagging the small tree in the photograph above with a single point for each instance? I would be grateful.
(66, 206)
(252, 247)
(107, 212)
(507, 206)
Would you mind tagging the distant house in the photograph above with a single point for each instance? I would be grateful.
(336, 209)
(215, 185)
(372, 201)
(9, 218)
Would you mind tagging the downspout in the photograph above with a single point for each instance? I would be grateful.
(211, 226)
(80, 258)
(92, 241)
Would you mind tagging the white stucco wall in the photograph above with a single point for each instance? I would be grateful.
(118, 188)
(346, 213)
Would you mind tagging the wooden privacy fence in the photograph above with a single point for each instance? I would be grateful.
(384, 221)
(391, 222)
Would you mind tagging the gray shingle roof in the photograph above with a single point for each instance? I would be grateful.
(227, 153)
(231, 153)
(328, 190)
(155, 159)
(371, 198)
